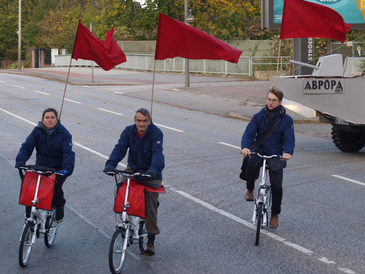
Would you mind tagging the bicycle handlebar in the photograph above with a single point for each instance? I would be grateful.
(126, 174)
(38, 169)
(268, 156)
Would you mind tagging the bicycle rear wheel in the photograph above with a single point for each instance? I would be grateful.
(258, 222)
(143, 238)
(51, 229)
(25, 245)
(118, 250)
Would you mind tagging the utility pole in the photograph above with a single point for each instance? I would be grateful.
(20, 36)
(187, 80)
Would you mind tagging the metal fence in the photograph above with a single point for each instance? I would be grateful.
(145, 62)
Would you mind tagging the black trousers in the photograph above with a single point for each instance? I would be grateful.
(276, 181)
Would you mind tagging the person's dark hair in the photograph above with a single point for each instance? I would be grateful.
(277, 92)
(144, 112)
(50, 110)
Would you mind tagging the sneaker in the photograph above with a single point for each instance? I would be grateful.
(150, 250)
(59, 214)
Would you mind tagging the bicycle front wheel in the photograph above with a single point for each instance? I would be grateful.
(143, 238)
(51, 229)
(258, 222)
(118, 250)
(25, 245)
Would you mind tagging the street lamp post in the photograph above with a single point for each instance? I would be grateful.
(187, 80)
(20, 36)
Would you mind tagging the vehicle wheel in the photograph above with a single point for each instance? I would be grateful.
(258, 222)
(118, 250)
(143, 238)
(347, 141)
(26, 245)
(51, 229)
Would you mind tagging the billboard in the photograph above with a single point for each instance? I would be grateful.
(352, 11)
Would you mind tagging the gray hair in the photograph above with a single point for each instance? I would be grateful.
(144, 112)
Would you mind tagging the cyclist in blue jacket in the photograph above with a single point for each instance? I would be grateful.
(281, 141)
(53, 144)
(144, 141)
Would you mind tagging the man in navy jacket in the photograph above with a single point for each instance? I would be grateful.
(144, 141)
(281, 141)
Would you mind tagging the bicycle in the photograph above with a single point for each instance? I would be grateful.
(129, 227)
(40, 221)
(260, 216)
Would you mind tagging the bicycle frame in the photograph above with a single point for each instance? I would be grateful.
(38, 215)
(39, 220)
(128, 228)
(263, 196)
(124, 218)
(262, 202)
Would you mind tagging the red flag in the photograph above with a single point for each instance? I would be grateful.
(302, 19)
(87, 46)
(175, 38)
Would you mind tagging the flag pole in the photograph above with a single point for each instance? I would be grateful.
(277, 64)
(64, 92)
(153, 84)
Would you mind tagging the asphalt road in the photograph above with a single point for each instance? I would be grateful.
(204, 220)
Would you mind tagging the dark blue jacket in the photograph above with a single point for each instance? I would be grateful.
(144, 153)
(281, 140)
(53, 150)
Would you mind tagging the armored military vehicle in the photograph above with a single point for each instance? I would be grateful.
(336, 91)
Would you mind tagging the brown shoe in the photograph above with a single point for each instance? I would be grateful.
(274, 221)
(249, 195)
(150, 250)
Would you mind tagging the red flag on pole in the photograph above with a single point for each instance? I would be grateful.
(175, 38)
(87, 46)
(302, 19)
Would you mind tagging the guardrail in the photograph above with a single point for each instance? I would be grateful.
(145, 62)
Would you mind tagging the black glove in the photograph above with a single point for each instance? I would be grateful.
(151, 173)
(109, 170)
(20, 165)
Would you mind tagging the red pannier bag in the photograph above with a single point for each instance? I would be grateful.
(45, 191)
(136, 198)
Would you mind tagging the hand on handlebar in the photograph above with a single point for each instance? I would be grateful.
(246, 152)
(109, 170)
(20, 165)
(285, 157)
(62, 172)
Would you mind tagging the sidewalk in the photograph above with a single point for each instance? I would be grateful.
(236, 97)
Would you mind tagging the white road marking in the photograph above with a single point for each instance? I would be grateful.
(209, 206)
(225, 144)
(16, 116)
(110, 111)
(178, 130)
(350, 180)
(41, 92)
(249, 225)
(2, 82)
(72, 101)
(19, 87)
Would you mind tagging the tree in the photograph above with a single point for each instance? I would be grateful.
(8, 29)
